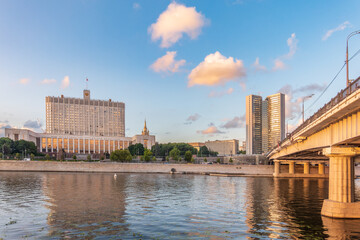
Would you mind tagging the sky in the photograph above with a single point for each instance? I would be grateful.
(184, 66)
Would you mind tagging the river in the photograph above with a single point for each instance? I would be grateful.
(164, 206)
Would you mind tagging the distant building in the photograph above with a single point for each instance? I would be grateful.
(253, 124)
(82, 126)
(145, 138)
(265, 122)
(274, 122)
(242, 147)
(197, 145)
(224, 147)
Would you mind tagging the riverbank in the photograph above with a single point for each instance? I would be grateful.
(114, 167)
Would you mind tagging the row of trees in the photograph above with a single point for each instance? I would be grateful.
(163, 150)
(17, 148)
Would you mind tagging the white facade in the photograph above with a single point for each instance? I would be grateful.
(82, 126)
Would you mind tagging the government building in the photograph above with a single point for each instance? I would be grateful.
(82, 126)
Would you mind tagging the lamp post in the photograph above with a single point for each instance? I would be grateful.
(347, 56)
(303, 101)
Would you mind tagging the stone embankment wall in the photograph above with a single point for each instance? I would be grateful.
(133, 167)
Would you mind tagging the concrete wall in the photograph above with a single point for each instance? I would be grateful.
(132, 167)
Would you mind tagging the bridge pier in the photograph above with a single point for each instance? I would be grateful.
(292, 173)
(341, 202)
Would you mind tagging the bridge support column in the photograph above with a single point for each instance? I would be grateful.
(321, 168)
(307, 168)
(291, 167)
(276, 168)
(341, 202)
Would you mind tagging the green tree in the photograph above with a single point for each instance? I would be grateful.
(129, 158)
(147, 155)
(153, 159)
(203, 151)
(89, 157)
(167, 158)
(205, 159)
(74, 157)
(32, 156)
(47, 157)
(136, 149)
(231, 160)
(188, 156)
(121, 155)
(192, 160)
(175, 153)
(218, 160)
(17, 155)
(1, 155)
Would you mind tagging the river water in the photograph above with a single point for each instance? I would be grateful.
(154, 206)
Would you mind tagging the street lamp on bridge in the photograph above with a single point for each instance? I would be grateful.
(347, 56)
(303, 101)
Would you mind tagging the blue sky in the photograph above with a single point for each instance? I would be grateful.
(185, 66)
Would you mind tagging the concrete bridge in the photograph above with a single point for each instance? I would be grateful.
(331, 136)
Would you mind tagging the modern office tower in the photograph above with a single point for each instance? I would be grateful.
(275, 120)
(253, 124)
(265, 122)
(84, 116)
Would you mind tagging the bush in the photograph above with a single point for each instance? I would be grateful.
(32, 156)
(128, 158)
(47, 157)
(17, 155)
(231, 161)
(147, 155)
(120, 156)
(89, 157)
(205, 159)
(102, 158)
(192, 160)
(74, 157)
(218, 160)
(1, 155)
(167, 158)
(154, 159)
(188, 156)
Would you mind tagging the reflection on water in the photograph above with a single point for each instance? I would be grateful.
(150, 206)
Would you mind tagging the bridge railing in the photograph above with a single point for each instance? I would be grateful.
(354, 85)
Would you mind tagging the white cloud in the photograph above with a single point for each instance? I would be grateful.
(293, 103)
(220, 94)
(33, 125)
(257, 66)
(216, 70)
(136, 6)
(48, 81)
(338, 28)
(193, 118)
(175, 21)
(167, 63)
(3, 125)
(210, 130)
(278, 65)
(65, 82)
(24, 81)
(292, 43)
(236, 122)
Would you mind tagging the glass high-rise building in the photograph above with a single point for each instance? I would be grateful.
(253, 124)
(265, 122)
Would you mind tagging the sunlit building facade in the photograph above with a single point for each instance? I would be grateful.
(253, 124)
(265, 122)
(82, 126)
